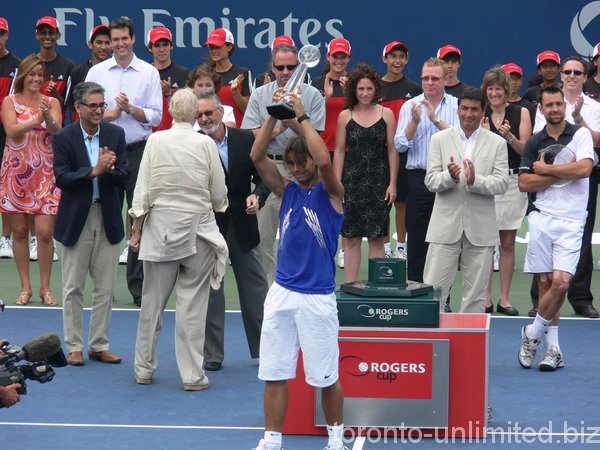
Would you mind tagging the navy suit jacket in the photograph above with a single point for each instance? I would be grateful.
(71, 168)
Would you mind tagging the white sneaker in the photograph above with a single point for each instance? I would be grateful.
(496, 259)
(6, 249)
(342, 447)
(263, 446)
(528, 349)
(54, 254)
(551, 360)
(399, 253)
(123, 256)
(33, 249)
(388, 251)
(340, 260)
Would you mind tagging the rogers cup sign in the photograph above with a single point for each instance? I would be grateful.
(396, 370)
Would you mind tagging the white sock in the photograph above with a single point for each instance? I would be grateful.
(551, 337)
(272, 440)
(336, 434)
(387, 246)
(537, 328)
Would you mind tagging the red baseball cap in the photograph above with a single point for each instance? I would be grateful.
(219, 37)
(159, 33)
(282, 40)
(548, 55)
(395, 44)
(447, 49)
(512, 68)
(595, 52)
(339, 45)
(96, 29)
(47, 20)
(3, 24)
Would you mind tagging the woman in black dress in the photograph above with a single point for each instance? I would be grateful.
(368, 168)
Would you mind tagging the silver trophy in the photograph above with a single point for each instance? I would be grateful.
(308, 56)
(558, 154)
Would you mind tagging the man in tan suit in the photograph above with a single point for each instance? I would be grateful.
(467, 165)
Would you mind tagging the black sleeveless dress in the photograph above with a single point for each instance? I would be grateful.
(365, 177)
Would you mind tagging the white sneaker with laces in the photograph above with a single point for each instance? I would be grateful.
(33, 249)
(400, 253)
(528, 349)
(342, 447)
(388, 252)
(340, 259)
(496, 259)
(551, 360)
(263, 446)
(6, 249)
(123, 256)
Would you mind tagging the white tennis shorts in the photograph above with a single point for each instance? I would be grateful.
(292, 321)
(554, 244)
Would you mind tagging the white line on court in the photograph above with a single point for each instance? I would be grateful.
(109, 425)
(359, 443)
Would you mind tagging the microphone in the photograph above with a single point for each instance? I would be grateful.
(41, 348)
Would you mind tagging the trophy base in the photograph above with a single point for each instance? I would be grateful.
(281, 110)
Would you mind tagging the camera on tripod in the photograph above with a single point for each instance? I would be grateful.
(40, 353)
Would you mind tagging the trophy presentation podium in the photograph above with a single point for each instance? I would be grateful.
(404, 366)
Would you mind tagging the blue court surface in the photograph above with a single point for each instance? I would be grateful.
(99, 406)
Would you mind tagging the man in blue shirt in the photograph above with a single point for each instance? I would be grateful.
(301, 306)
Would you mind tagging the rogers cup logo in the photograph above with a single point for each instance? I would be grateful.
(386, 314)
(383, 370)
(581, 20)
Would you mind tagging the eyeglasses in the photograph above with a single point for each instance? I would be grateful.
(94, 106)
(568, 72)
(433, 79)
(289, 67)
(205, 113)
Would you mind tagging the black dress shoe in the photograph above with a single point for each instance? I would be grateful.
(508, 310)
(589, 311)
(212, 365)
(489, 309)
(532, 312)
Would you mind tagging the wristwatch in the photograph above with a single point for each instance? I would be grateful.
(303, 117)
(131, 110)
(436, 121)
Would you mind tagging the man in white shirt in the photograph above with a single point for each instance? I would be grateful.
(559, 197)
(583, 111)
(134, 98)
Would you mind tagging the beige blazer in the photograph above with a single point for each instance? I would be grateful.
(459, 208)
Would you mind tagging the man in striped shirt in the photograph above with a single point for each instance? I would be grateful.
(420, 118)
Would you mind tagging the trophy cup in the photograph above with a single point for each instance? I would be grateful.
(308, 56)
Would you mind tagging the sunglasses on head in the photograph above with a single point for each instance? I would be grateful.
(289, 67)
(574, 72)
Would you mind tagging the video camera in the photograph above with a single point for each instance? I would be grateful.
(40, 353)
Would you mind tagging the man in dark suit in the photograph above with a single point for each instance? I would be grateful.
(239, 227)
(89, 165)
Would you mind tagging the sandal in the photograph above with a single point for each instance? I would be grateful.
(48, 299)
(23, 298)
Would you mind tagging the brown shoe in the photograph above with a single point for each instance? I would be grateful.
(75, 359)
(105, 356)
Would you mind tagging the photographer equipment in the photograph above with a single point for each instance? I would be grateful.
(41, 353)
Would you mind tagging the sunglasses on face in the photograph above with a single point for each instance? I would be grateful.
(205, 113)
(289, 67)
(568, 72)
(434, 79)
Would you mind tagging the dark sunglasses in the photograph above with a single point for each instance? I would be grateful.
(94, 106)
(577, 73)
(289, 67)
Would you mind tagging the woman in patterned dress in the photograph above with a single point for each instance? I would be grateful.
(368, 170)
(27, 183)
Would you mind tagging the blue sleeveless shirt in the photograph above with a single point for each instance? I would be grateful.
(309, 228)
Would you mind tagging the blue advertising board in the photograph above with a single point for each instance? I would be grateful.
(488, 33)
